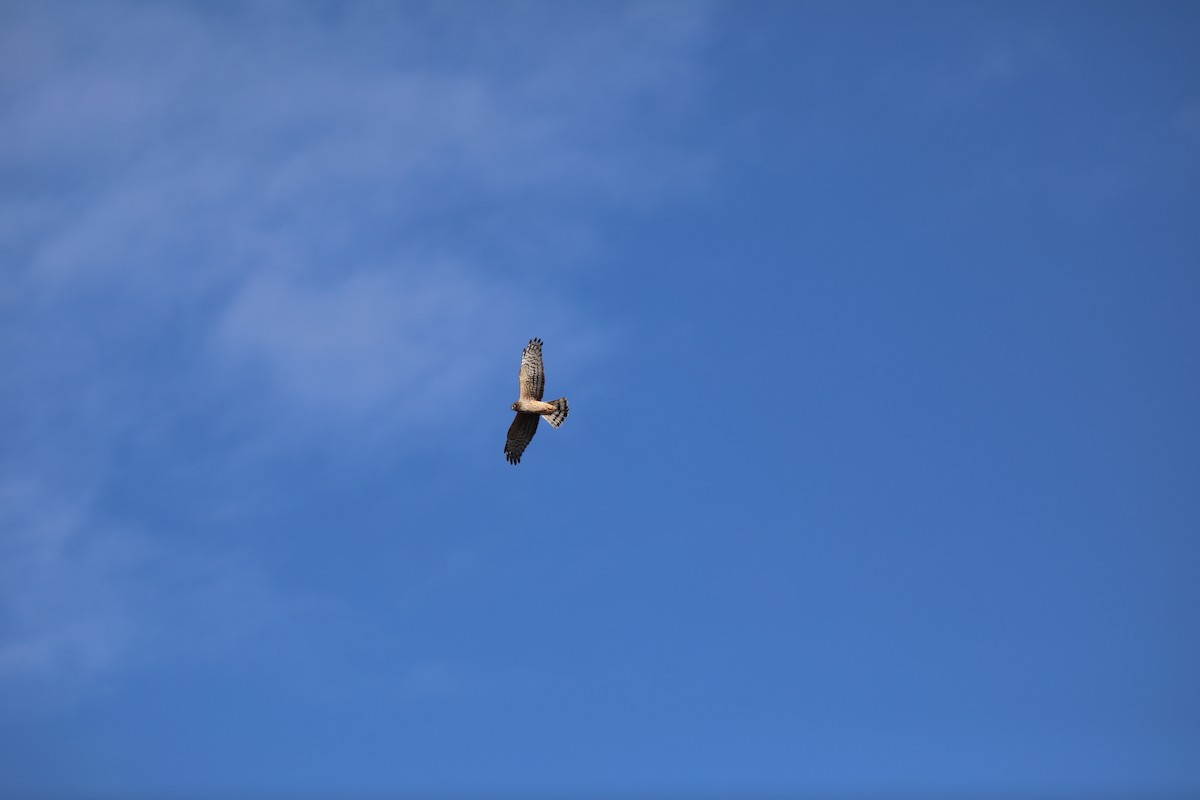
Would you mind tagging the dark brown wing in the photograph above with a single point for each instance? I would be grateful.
(532, 376)
(520, 434)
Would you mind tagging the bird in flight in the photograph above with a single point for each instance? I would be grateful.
(530, 407)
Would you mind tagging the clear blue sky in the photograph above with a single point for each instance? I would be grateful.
(880, 325)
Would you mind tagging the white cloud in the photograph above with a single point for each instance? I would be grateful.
(59, 591)
(83, 597)
(301, 167)
(367, 339)
(176, 126)
(267, 219)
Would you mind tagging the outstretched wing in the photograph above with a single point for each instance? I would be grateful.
(533, 377)
(520, 434)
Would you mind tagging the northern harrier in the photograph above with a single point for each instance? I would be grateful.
(530, 406)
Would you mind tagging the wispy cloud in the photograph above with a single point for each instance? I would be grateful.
(401, 341)
(266, 215)
(60, 613)
(83, 596)
(186, 126)
(311, 166)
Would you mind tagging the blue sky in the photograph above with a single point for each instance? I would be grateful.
(879, 326)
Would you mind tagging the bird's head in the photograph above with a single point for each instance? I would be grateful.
(514, 406)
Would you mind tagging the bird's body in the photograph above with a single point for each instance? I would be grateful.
(534, 407)
(529, 406)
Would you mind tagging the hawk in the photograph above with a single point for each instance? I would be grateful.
(530, 406)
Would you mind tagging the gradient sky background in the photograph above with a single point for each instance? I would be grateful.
(880, 325)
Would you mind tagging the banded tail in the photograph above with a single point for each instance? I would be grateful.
(559, 415)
